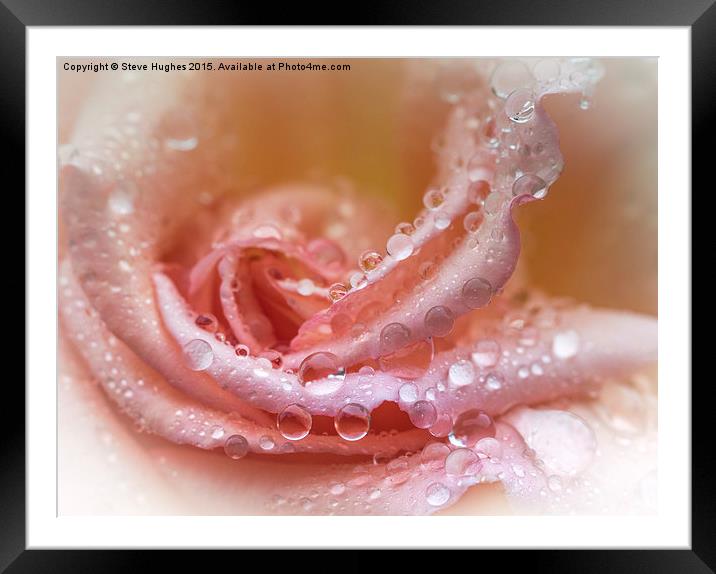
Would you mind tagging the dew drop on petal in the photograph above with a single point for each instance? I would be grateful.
(437, 494)
(493, 382)
(369, 260)
(408, 393)
(442, 426)
(319, 366)
(433, 455)
(337, 291)
(473, 221)
(486, 354)
(422, 414)
(439, 321)
(565, 345)
(461, 373)
(236, 447)
(266, 443)
(198, 354)
(470, 427)
(393, 336)
(208, 322)
(462, 462)
(242, 351)
(352, 422)
(520, 106)
(294, 422)
(509, 76)
(433, 198)
(406, 228)
(400, 246)
(489, 447)
(476, 292)
(531, 185)
(442, 221)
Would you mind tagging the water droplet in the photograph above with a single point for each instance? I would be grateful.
(486, 354)
(338, 489)
(266, 443)
(406, 228)
(565, 344)
(408, 393)
(476, 292)
(370, 260)
(393, 336)
(520, 106)
(422, 414)
(477, 170)
(398, 470)
(442, 221)
(433, 198)
(319, 366)
(531, 185)
(473, 221)
(493, 382)
(208, 322)
(437, 494)
(121, 199)
(523, 372)
(179, 131)
(439, 321)
(198, 354)
(217, 432)
(242, 351)
(509, 76)
(358, 280)
(433, 455)
(337, 291)
(400, 246)
(442, 426)
(294, 422)
(461, 373)
(352, 422)
(236, 447)
(470, 427)
(462, 462)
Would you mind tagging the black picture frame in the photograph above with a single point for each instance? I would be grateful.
(16, 15)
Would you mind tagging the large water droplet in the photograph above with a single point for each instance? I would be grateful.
(294, 422)
(236, 447)
(400, 246)
(352, 422)
(198, 354)
(422, 414)
(489, 447)
(439, 321)
(408, 393)
(486, 354)
(509, 76)
(319, 366)
(462, 462)
(437, 494)
(470, 427)
(461, 373)
(442, 426)
(531, 185)
(520, 106)
(565, 345)
(337, 291)
(476, 292)
(393, 337)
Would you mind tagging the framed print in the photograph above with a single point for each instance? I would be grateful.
(424, 284)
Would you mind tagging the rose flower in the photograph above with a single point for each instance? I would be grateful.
(302, 292)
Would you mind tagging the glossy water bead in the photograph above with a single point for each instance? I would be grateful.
(393, 336)
(318, 366)
(486, 353)
(352, 422)
(439, 321)
(462, 462)
(437, 494)
(470, 427)
(476, 292)
(294, 422)
(520, 106)
(422, 414)
(400, 246)
(369, 260)
(198, 355)
(236, 447)
(531, 185)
